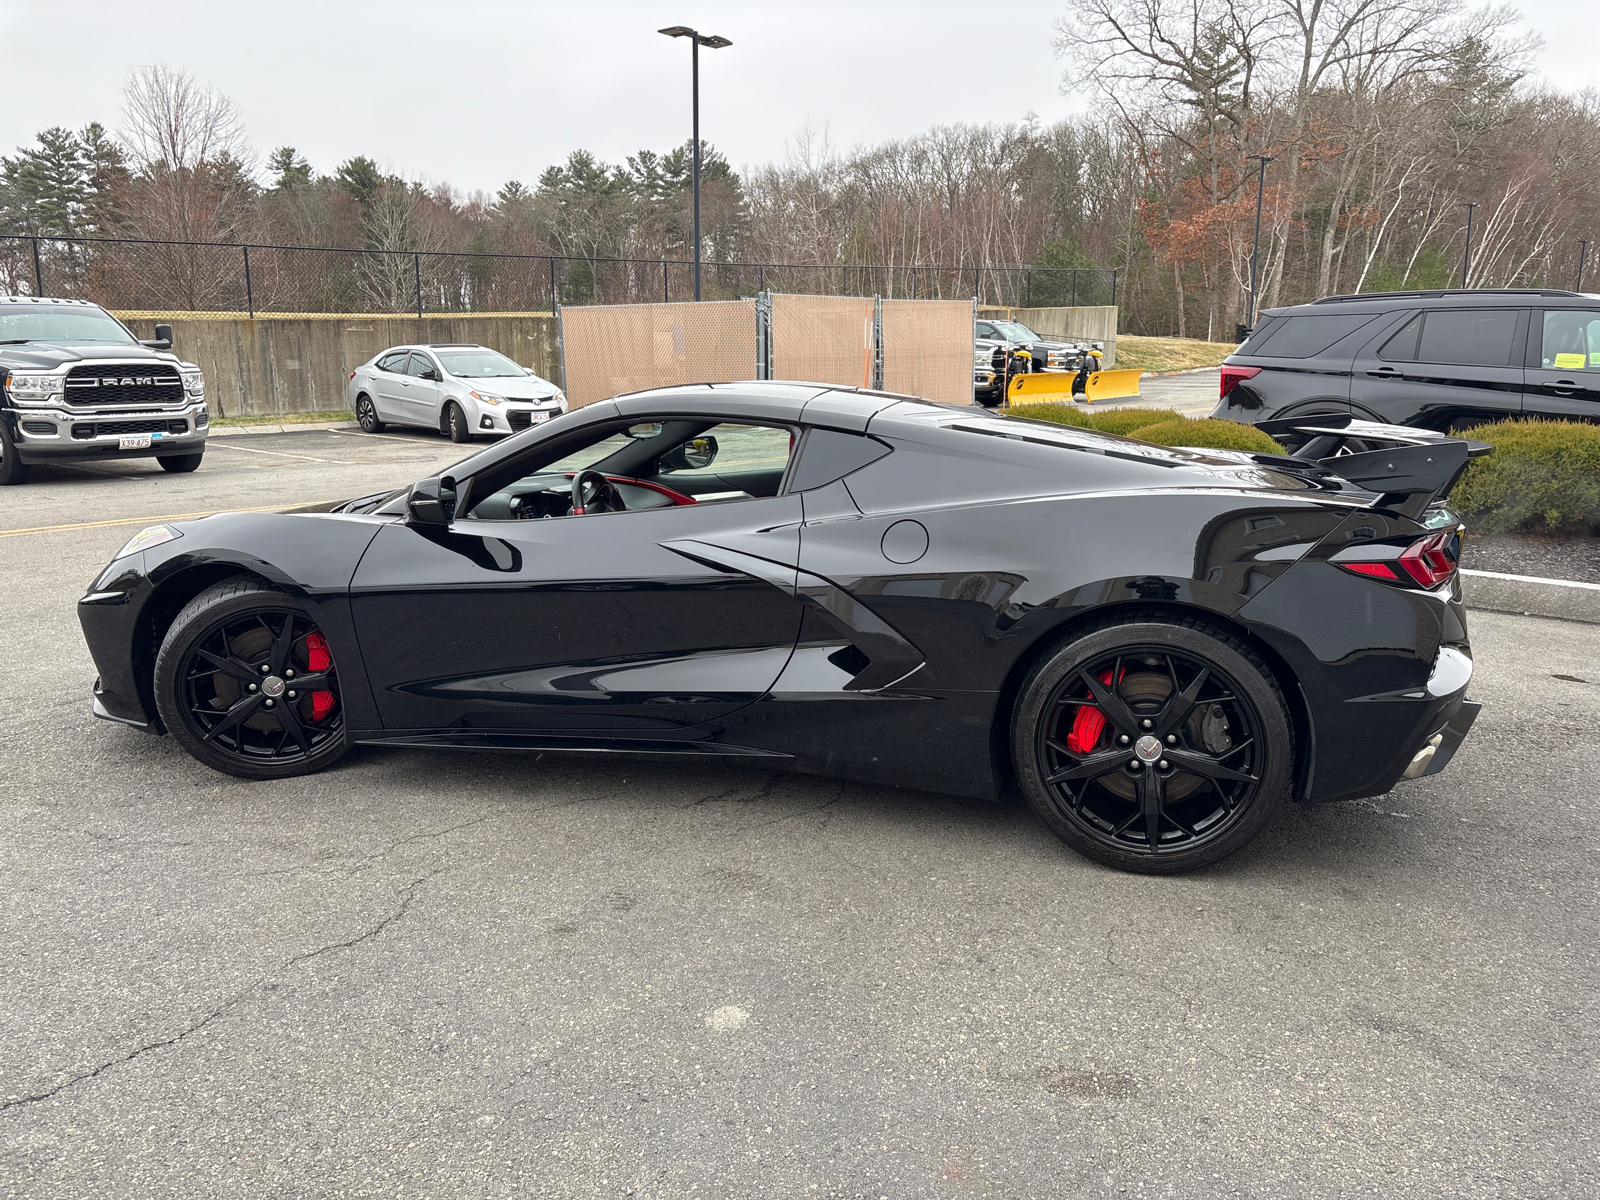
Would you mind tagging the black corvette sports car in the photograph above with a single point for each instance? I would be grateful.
(1156, 646)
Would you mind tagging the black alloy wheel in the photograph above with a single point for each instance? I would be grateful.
(367, 415)
(1154, 744)
(455, 423)
(246, 682)
(181, 464)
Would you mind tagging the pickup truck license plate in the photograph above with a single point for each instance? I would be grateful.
(134, 441)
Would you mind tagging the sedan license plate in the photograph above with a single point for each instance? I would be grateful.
(134, 441)
(536, 417)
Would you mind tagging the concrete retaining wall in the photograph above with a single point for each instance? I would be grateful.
(301, 363)
(1084, 324)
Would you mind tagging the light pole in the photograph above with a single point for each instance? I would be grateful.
(713, 42)
(1466, 258)
(1255, 251)
(1583, 261)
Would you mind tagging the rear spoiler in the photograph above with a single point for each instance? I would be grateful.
(1409, 468)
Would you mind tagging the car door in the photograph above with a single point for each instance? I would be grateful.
(1563, 365)
(420, 389)
(387, 374)
(1443, 368)
(626, 624)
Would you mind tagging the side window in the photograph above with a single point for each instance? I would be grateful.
(420, 363)
(395, 363)
(828, 455)
(1571, 341)
(1402, 347)
(1467, 337)
(1303, 337)
(755, 456)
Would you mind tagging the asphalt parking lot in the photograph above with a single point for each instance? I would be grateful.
(498, 975)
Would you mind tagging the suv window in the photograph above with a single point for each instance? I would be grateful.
(1463, 337)
(1302, 337)
(1571, 341)
(395, 362)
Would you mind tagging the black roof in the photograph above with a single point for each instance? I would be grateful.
(1458, 297)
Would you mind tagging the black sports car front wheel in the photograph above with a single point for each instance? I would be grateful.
(246, 682)
(1152, 743)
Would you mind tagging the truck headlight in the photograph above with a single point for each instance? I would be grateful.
(33, 387)
(194, 383)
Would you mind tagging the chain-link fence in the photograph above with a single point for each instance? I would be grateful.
(918, 347)
(157, 276)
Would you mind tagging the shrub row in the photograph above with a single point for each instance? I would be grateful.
(1159, 425)
(1543, 477)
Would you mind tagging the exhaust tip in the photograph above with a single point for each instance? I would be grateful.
(1420, 760)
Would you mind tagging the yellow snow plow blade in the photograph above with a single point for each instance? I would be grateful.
(1112, 385)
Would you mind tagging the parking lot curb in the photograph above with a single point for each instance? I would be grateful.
(1531, 596)
(291, 427)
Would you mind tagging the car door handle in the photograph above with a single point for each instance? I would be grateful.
(405, 383)
(1386, 373)
(1562, 385)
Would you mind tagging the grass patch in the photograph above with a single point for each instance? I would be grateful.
(1543, 477)
(293, 418)
(1169, 354)
(1209, 434)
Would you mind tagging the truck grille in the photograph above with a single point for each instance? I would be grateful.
(123, 383)
(101, 428)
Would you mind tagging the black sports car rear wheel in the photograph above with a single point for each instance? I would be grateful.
(1153, 744)
(246, 683)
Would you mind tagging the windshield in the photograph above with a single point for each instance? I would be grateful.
(478, 364)
(30, 323)
(1012, 331)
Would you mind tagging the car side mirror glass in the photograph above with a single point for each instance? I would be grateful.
(694, 455)
(431, 502)
(162, 339)
(430, 373)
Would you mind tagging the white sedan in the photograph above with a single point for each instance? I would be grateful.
(462, 391)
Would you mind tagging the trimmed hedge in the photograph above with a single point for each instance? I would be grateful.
(1209, 434)
(1127, 421)
(1059, 414)
(1543, 477)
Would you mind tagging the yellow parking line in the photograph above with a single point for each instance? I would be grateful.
(5, 533)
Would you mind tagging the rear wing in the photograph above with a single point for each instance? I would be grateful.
(1410, 468)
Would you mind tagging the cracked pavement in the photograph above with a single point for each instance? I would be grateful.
(453, 974)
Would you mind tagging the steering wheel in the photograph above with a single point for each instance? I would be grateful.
(604, 499)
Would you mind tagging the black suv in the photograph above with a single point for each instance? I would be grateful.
(1444, 360)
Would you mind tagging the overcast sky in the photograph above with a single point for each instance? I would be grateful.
(473, 92)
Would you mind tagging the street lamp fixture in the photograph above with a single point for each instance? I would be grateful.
(710, 41)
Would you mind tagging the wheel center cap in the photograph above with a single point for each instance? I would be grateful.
(1147, 748)
(272, 687)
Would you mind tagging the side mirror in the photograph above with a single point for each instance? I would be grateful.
(694, 455)
(162, 339)
(431, 502)
(429, 373)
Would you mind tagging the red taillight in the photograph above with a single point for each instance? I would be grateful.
(352, 374)
(1233, 376)
(1432, 560)
(1427, 562)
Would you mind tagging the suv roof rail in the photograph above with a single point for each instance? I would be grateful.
(45, 300)
(1435, 293)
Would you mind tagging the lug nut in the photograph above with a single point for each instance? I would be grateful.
(269, 703)
(1134, 765)
(1162, 764)
(1148, 724)
(1172, 739)
(288, 674)
(253, 687)
(265, 669)
(292, 695)
(1123, 739)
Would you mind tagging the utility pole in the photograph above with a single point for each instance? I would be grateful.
(1466, 258)
(1583, 261)
(1255, 252)
(696, 40)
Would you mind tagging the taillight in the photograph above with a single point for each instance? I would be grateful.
(1427, 562)
(1233, 376)
(352, 374)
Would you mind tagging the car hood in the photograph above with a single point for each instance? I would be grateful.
(45, 355)
(511, 387)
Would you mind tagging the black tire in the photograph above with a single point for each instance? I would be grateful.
(367, 414)
(455, 423)
(12, 468)
(1187, 695)
(222, 716)
(181, 464)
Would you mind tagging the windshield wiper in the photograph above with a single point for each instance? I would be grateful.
(15, 341)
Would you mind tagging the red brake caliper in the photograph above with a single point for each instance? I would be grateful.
(1089, 723)
(318, 659)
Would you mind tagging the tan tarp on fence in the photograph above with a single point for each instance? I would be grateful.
(927, 349)
(614, 348)
(825, 339)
